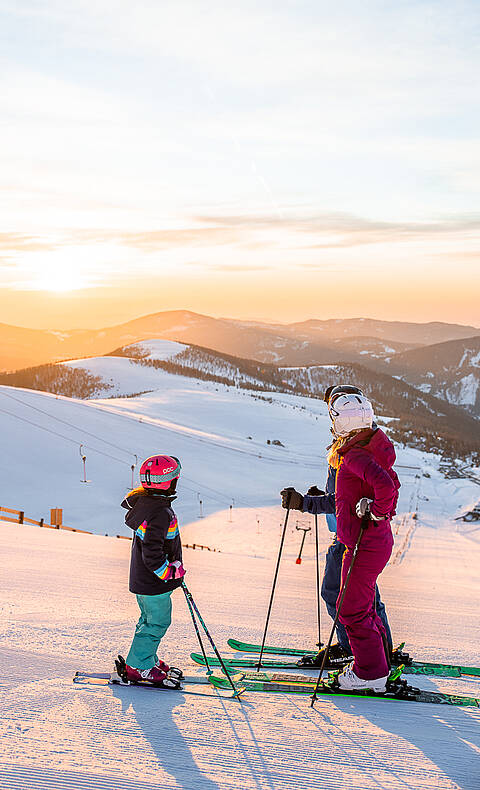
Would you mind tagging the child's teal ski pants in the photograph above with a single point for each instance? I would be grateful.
(155, 617)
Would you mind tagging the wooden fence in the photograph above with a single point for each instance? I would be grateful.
(21, 518)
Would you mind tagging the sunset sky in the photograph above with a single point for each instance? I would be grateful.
(267, 160)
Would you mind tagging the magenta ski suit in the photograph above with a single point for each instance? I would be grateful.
(366, 471)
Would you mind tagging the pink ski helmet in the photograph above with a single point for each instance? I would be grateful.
(158, 471)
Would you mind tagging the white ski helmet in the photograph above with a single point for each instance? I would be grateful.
(350, 412)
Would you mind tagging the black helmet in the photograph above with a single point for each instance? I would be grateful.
(340, 389)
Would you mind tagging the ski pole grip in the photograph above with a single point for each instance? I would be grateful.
(286, 496)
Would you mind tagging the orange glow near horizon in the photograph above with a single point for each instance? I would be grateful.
(276, 297)
(255, 267)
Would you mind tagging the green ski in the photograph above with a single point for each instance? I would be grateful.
(416, 668)
(403, 694)
(234, 664)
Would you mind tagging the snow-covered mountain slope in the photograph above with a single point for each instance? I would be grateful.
(450, 371)
(423, 421)
(221, 434)
(155, 348)
(370, 347)
(202, 363)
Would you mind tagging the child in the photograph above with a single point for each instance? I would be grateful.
(155, 568)
(366, 485)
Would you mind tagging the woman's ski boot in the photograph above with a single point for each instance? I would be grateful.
(337, 658)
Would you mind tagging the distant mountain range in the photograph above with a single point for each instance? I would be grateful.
(308, 342)
(394, 331)
(437, 358)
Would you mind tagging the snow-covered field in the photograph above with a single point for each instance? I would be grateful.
(65, 603)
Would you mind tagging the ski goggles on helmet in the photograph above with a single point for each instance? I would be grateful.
(332, 393)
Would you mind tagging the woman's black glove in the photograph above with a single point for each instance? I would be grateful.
(315, 491)
(291, 499)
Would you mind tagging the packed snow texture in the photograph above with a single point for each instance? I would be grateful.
(65, 601)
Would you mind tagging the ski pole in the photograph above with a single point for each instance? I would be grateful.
(273, 586)
(363, 526)
(199, 636)
(318, 584)
(189, 597)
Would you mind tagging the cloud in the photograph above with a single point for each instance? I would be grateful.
(22, 241)
(321, 221)
(228, 268)
(347, 230)
(149, 241)
(252, 233)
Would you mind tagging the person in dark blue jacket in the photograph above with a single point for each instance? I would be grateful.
(156, 568)
(319, 502)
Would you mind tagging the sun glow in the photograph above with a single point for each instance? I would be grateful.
(59, 282)
(61, 271)
(58, 271)
(68, 268)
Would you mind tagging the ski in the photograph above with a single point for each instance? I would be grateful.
(108, 679)
(198, 679)
(248, 647)
(416, 668)
(241, 663)
(404, 693)
(268, 663)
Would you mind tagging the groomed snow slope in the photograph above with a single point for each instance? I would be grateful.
(65, 606)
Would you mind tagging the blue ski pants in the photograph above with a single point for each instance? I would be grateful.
(155, 618)
(331, 590)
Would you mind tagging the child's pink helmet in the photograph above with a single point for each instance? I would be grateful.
(158, 471)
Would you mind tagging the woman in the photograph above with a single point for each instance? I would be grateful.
(319, 502)
(366, 486)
